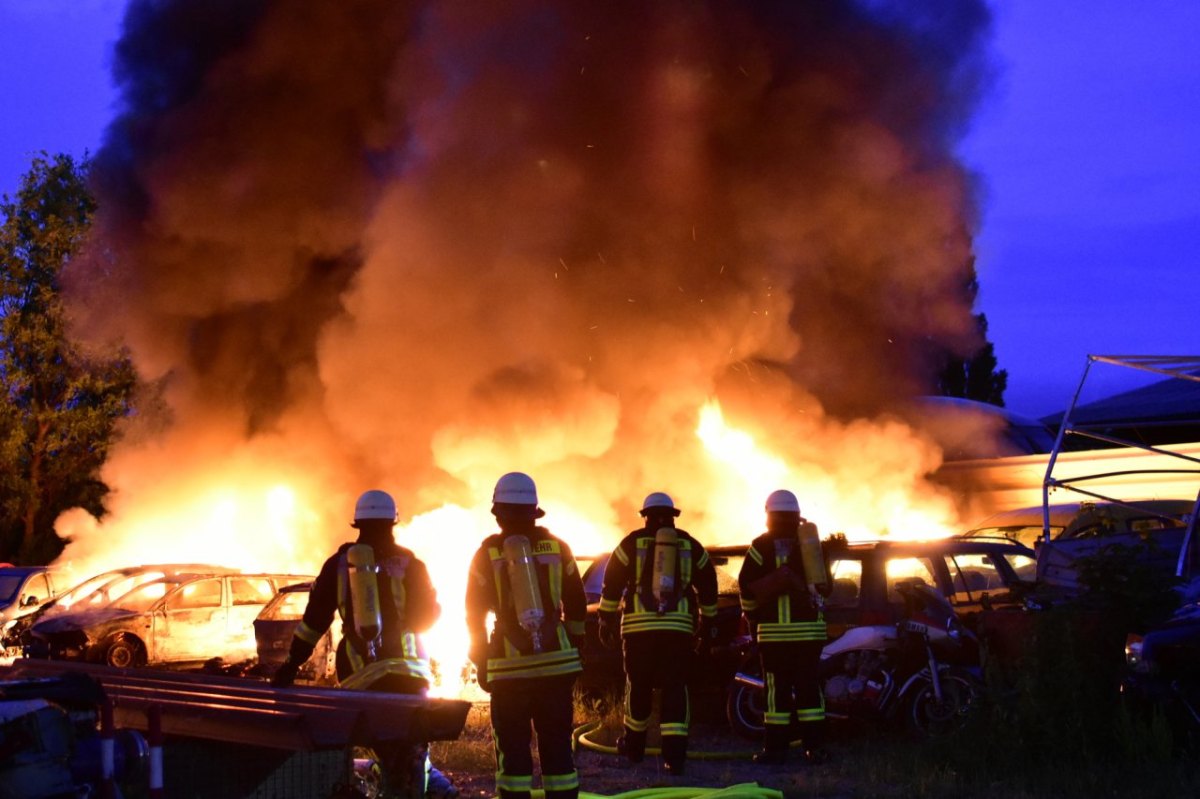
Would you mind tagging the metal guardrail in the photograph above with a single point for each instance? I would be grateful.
(250, 712)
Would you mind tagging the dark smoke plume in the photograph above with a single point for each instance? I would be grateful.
(418, 245)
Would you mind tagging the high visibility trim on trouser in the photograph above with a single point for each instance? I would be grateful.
(560, 782)
(810, 714)
(673, 729)
(782, 719)
(631, 722)
(513, 782)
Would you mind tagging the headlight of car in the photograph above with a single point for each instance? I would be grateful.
(1133, 654)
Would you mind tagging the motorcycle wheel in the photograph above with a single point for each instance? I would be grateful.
(745, 708)
(961, 696)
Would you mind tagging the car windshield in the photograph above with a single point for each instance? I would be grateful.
(1022, 534)
(86, 588)
(727, 567)
(289, 605)
(140, 599)
(9, 585)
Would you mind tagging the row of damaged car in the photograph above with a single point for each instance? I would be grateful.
(159, 615)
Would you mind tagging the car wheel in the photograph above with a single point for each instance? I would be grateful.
(125, 652)
(961, 696)
(745, 707)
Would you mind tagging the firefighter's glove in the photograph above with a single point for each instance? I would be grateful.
(479, 658)
(610, 630)
(286, 674)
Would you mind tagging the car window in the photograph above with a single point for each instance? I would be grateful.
(141, 598)
(85, 588)
(973, 574)
(593, 578)
(847, 583)
(727, 568)
(120, 586)
(37, 588)
(1024, 566)
(251, 590)
(907, 569)
(291, 605)
(1023, 534)
(1107, 525)
(200, 594)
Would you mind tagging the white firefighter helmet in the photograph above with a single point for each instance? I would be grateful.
(375, 504)
(782, 500)
(658, 501)
(515, 488)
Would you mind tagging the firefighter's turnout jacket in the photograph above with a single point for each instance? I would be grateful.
(531, 682)
(790, 630)
(628, 575)
(510, 650)
(657, 638)
(408, 606)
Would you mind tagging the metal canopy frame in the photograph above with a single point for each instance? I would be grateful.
(1176, 367)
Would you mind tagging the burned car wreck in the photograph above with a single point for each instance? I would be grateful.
(173, 620)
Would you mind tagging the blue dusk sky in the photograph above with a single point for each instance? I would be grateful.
(1087, 149)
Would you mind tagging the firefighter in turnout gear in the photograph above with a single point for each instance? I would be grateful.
(782, 582)
(385, 598)
(664, 577)
(527, 578)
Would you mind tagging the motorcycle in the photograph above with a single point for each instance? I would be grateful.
(923, 671)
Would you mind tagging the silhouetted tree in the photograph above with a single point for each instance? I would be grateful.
(62, 403)
(975, 376)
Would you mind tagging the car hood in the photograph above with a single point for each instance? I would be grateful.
(82, 619)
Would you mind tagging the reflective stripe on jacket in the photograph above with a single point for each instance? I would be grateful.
(511, 651)
(628, 575)
(792, 615)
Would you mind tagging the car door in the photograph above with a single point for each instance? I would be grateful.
(843, 608)
(248, 596)
(190, 622)
(35, 591)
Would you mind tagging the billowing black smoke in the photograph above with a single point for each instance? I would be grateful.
(419, 244)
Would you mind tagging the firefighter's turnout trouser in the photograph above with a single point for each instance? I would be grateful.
(545, 705)
(791, 674)
(657, 659)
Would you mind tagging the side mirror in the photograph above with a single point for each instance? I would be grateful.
(30, 601)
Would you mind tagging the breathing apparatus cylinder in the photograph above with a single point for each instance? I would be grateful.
(527, 595)
(811, 556)
(662, 582)
(364, 594)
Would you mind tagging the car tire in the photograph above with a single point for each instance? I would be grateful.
(962, 695)
(745, 707)
(125, 652)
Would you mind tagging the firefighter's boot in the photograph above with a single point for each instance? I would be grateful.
(674, 751)
(632, 745)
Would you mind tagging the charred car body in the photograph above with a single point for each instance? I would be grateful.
(184, 618)
(273, 630)
(97, 591)
(971, 574)
(1163, 664)
(24, 589)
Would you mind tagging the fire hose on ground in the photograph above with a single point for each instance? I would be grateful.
(582, 739)
(748, 790)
